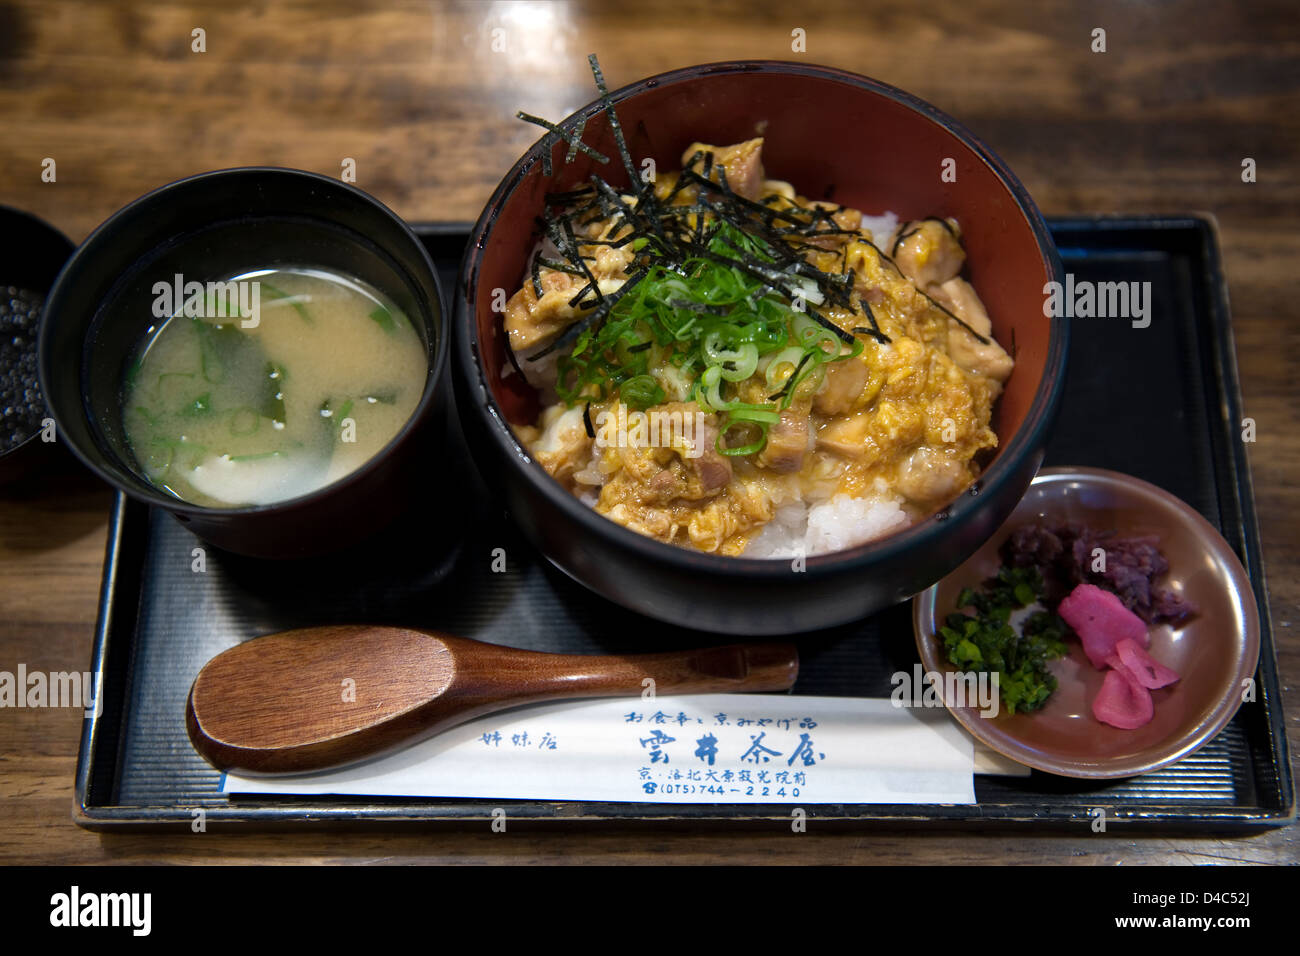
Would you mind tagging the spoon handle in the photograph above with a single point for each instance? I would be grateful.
(489, 671)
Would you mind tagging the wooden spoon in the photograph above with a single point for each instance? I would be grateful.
(326, 696)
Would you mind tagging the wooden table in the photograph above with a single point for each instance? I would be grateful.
(415, 94)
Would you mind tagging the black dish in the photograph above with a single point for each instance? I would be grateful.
(207, 227)
(31, 254)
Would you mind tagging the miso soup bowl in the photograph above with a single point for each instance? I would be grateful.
(207, 228)
(835, 135)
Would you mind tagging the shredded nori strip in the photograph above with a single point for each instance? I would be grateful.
(581, 293)
(576, 141)
(572, 243)
(722, 179)
(511, 358)
(586, 420)
(705, 252)
(570, 138)
(632, 217)
(558, 266)
(590, 321)
(981, 339)
(875, 332)
(837, 288)
(537, 276)
(570, 197)
(766, 213)
(831, 326)
(614, 125)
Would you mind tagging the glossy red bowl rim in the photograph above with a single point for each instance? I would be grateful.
(923, 618)
(1027, 440)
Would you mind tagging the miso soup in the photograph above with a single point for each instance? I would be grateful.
(228, 406)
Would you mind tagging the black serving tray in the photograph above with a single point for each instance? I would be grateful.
(1161, 403)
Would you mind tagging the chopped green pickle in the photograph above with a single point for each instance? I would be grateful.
(987, 642)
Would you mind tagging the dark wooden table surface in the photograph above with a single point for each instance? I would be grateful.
(416, 95)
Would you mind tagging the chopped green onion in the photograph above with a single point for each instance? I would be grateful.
(751, 413)
(712, 315)
(292, 300)
(641, 391)
(744, 365)
(776, 368)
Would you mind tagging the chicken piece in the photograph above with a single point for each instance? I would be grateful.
(712, 467)
(929, 477)
(844, 384)
(611, 261)
(787, 442)
(743, 163)
(849, 436)
(681, 458)
(958, 297)
(983, 358)
(841, 218)
(931, 256)
(666, 485)
(779, 187)
(531, 320)
(564, 444)
(928, 252)
(989, 359)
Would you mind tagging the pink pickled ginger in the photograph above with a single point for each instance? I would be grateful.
(1122, 701)
(1115, 637)
(1149, 672)
(1102, 621)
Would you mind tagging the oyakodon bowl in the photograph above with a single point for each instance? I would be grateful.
(206, 228)
(833, 135)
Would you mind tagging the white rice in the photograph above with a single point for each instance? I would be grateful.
(881, 227)
(540, 373)
(842, 522)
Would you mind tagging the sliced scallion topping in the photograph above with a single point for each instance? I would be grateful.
(717, 283)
